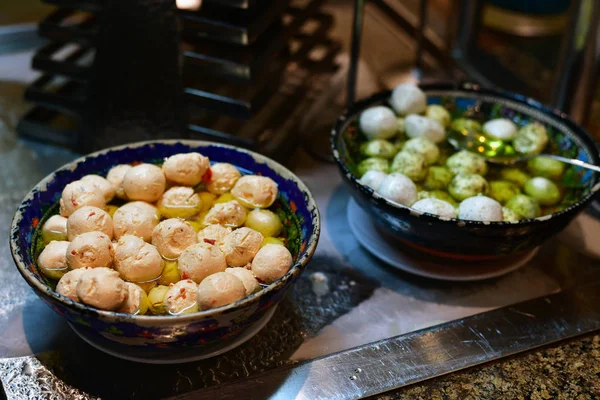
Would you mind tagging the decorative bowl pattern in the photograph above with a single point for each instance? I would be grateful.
(205, 329)
(472, 240)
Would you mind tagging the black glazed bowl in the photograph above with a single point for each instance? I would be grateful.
(473, 240)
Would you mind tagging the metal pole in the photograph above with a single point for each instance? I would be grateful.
(469, 20)
(359, 11)
(566, 60)
(420, 38)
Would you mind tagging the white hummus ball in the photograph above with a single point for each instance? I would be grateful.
(186, 169)
(102, 288)
(145, 182)
(89, 219)
(240, 246)
(67, 285)
(102, 184)
(137, 261)
(271, 262)
(90, 249)
(80, 194)
(223, 178)
(172, 236)
(181, 298)
(199, 261)
(115, 177)
(480, 208)
(220, 289)
(254, 191)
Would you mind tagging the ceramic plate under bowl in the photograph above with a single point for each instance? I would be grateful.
(391, 252)
(177, 356)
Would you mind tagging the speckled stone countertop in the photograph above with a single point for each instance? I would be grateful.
(567, 370)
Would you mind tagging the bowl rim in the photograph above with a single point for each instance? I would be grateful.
(296, 268)
(471, 88)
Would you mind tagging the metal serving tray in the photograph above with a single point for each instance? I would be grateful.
(347, 338)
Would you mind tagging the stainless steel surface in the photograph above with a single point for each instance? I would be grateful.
(403, 360)
(15, 38)
(346, 298)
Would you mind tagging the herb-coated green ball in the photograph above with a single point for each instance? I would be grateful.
(438, 113)
(423, 194)
(436, 207)
(546, 167)
(515, 176)
(378, 122)
(465, 162)
(543, 190)
(503, 191)
(400, 126)
(425, 147)
(438, 177)
(437, 194)
(443, 195)
(378, 148)
(465, 125)
(412, 165)
(531, 139)
(500, 128)
(445, 153)
(524, 206)
(399, 144)
(464, 186)
(373, 164)
(510, 215)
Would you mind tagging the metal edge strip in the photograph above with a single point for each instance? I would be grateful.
(407, 359)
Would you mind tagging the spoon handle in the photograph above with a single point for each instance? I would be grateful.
(572, 161)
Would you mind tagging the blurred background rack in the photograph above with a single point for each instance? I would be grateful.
(244, 62)
(243, 65)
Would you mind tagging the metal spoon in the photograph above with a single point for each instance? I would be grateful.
(498, 152)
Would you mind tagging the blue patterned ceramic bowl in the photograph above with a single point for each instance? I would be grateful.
(471, 240)
(160, 335)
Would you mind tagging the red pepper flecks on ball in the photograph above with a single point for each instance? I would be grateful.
(207, 176)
